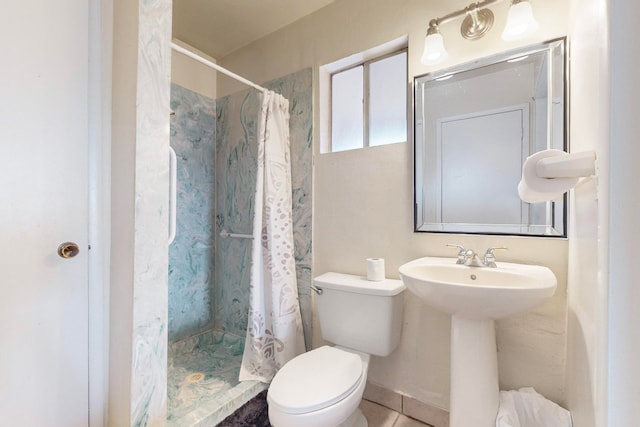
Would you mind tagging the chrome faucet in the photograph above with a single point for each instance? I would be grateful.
(470, 258)
(461, 252)
(489, 259)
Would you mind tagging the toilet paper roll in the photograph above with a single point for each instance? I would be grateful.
(533, 188)
(375, 269)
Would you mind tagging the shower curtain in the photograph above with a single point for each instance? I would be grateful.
(274, 330)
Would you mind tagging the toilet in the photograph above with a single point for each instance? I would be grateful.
(324, 387)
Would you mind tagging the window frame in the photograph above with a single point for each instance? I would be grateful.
(366, 64)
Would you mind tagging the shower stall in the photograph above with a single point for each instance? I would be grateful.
(209, 262)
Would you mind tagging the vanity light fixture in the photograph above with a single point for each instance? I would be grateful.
(477, 22)
(434, 51)
(520, 21)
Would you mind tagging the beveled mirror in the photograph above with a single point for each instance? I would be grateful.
(474, 127)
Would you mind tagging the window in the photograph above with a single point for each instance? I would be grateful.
(369, 103)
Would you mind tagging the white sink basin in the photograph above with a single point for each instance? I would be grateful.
(478, 292)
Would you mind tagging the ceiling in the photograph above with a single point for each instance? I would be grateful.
(219, 27)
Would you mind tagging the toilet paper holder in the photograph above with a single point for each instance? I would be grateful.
(570, 165)
(548, 174)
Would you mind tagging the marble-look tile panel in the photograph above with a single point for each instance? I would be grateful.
(237, 117)
(235, 176)
(191, 255)
(149, 332)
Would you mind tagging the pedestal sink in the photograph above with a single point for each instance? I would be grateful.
(475, 297)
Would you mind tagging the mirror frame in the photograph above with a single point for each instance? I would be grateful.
(491, 229)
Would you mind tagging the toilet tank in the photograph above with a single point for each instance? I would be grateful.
(360, 314)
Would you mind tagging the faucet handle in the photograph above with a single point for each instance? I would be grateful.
(461, 252)
(490, 258)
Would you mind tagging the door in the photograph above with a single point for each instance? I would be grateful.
(481, 156)
(43, 203)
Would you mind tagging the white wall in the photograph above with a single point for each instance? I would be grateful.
(191, 74)
(363, 200)
(604, 339)
(125, 15)
(587, 331)
(624, 211)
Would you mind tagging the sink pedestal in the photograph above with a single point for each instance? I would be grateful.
(475, 395)
(474, 297)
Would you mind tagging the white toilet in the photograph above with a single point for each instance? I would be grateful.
(323, 387)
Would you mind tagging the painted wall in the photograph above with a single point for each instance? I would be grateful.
(122, 204)
(603, 376)
(191, 255)
(588, 260)
(363, 200)
(191, 74)
(624, 228)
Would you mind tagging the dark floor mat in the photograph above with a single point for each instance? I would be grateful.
(254, 413)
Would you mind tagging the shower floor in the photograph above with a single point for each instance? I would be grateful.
(202, 384)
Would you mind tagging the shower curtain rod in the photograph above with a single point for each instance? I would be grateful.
(215, 66)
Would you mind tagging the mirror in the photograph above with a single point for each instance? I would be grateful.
(474, 127)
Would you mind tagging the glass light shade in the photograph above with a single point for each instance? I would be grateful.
(520, 22)
(434, 51)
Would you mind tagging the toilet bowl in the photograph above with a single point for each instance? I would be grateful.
(321, 388)
(324, 387)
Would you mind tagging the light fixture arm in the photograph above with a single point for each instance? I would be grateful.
(463, 12)
(477, 22)
(433, 27)
(472, 11)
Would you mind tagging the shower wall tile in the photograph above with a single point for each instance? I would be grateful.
(191, 255)
(236, 175)
(237, 117)
(149, 335)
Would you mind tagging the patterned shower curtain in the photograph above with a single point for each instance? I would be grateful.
(274, 330)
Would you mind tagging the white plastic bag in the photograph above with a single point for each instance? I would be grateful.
(527, 408)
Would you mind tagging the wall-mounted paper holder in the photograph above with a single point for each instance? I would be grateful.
(570, 165)
(548, 174)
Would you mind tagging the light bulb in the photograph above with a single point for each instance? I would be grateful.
(434, 51)
(520, 22)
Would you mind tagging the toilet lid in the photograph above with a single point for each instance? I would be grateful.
(315, 380)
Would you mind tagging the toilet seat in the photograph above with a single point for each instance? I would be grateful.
(315, 380)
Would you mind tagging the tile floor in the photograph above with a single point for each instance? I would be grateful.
(381, 416)
(254, 414)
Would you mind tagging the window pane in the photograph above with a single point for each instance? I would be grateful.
(346, 110)
(388, 100)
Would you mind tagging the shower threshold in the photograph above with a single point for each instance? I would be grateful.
(202, 381)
